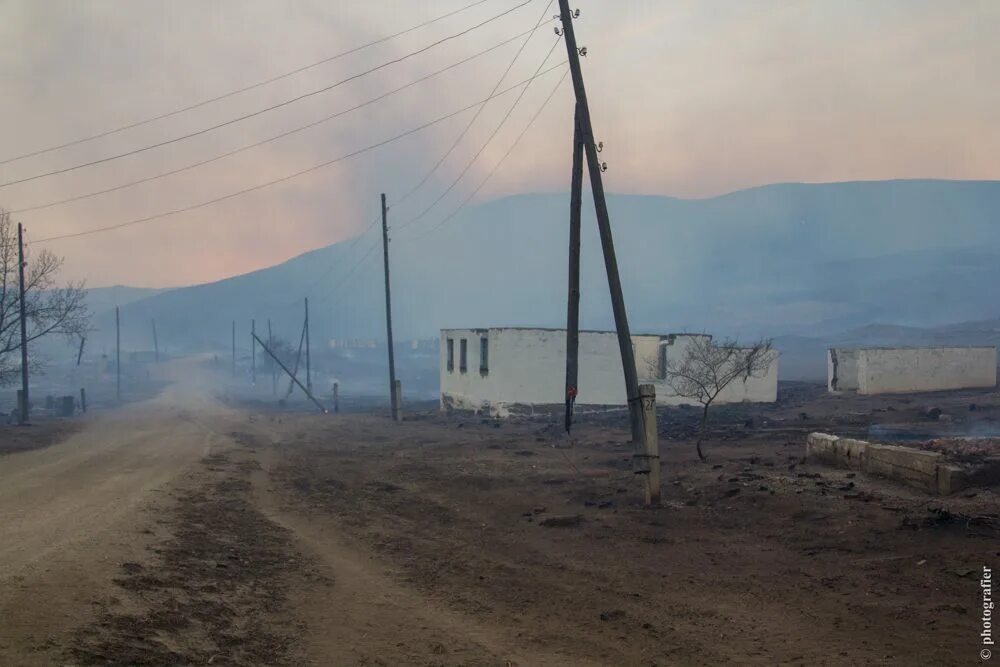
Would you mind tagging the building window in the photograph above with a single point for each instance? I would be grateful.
(463, 356)
(451, 355)
(484, 355)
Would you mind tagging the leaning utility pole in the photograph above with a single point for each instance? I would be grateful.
(156, 344)
(604, 225)
(573, 299)
(309, 383)
(118, 355)
(22, 412)
(388, 316)
(253, 352)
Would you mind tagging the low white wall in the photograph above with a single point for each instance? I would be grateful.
(528, 366)
(902, 370)
(841, 369)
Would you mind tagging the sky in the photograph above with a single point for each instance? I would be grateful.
(691, 98)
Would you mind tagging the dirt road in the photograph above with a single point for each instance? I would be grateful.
(187, 531)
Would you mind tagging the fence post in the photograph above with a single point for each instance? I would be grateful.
(336, 397)
(647, 397)
(83, 399)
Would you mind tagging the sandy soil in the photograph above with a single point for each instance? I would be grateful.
(188, 531)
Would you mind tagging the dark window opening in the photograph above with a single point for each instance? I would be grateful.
(484, 356)
(451, 355)
(463, 356)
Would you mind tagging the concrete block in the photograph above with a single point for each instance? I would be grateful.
(852, 453)
(911, 466)
(821, 447)
(840, 452)
(952, 478)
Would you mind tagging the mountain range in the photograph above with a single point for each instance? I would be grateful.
(799, 261)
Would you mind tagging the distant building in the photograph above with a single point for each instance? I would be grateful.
(898, 370)
(494, 369)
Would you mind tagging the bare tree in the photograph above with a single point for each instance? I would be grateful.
(48, 309)
(707, 368)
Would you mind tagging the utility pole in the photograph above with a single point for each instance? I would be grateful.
(309, 383)
(253, 352)
(156, 344)
(388, 316)
(607, 240)
(274, 371)
(23, 410)
(79, 354)
(234, 348)
(573, 299)
(118, 355)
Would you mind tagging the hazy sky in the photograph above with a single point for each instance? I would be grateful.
(691, 98)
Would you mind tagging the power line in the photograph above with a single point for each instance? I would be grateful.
(247, 147)
(505, 156)
(266, 109)
(289, 177)
(479, 111)
(483, 147)
(240, 90)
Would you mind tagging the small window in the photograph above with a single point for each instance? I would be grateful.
(451, 355)
(463, 358)
(484, 355)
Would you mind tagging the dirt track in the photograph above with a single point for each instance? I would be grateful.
(183, 531)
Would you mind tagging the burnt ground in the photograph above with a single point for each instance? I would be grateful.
(37, 435)
(453, 539)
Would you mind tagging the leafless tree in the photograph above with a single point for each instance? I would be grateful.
(707, 368)
(48, 309)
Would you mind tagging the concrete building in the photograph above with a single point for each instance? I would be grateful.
(896, 370)
(494, 369)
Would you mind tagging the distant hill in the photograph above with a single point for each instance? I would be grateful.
(795, 259)
(102, 299)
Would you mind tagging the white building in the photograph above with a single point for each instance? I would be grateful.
(893, 370)
(493, 369)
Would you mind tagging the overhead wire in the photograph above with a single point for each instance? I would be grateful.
(244, 89)
(289, 177)
(482, 148)
(282, 135)
(472, 121)
(253, 114)
(505, 155)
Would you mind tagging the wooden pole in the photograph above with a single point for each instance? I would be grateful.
(604, 225)
(156, 344)
(298, 358)
(647, 393)
(274, 371)
(309, 382)
(573, 298)
(79, 354)
(294, 379)
(83, 399)
(24, 409)
(253, 352)
(397, 394)
(234, 348)
(336, 397)
(388, 314)
(118, 355)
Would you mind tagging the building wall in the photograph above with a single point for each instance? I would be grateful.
(901, 370)
(843, 373)
(528, 366)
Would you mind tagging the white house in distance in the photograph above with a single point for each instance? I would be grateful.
(493, 369)
(896, 370)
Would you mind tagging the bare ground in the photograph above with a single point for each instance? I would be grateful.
(186, 532)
